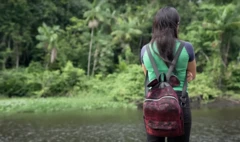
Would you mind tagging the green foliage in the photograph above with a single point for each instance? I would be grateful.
(61, 104)
(127, 85)
(122, 66)
(57, 83)
(36, 82)
(124, 86)
(53, 44)
(233, 77)
(48, 37)
(13, 83)
(204, 86)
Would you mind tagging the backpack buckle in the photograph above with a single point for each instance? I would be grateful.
(183, 101)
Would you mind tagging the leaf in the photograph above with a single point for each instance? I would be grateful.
(41, 38)
(40, 30)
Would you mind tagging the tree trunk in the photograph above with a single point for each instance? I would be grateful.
(95, 60)
(17, 55)
(221, 63)
(7, 44)
(48, 56)
(89, 53)
(53, 54)
(3, 64)
(205, 55)
(226, 54)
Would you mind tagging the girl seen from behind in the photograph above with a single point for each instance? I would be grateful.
(164, 44)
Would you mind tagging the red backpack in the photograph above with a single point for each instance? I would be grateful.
(162, 110)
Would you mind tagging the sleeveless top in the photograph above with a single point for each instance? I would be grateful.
(186, 55)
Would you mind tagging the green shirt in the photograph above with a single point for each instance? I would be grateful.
(181, 65)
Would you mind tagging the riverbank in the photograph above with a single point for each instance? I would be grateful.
(219, 102)
(60, 104)
(223, 102)
(197, 102)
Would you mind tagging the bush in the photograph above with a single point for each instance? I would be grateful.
(233, 77)
(62, 82)
(13, 83)
(203, 86)
(36, 82)
(127, 85)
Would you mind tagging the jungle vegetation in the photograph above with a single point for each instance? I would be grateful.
(68, 48)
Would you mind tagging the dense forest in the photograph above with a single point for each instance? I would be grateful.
(69, 48)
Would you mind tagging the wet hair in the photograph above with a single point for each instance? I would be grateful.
(164, 32)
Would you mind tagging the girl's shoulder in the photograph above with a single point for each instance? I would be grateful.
(190, 50)
(143, 50)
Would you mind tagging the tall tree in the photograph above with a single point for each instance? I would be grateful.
(98, 12)
(48, 37)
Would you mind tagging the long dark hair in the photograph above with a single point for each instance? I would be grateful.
(164, 32)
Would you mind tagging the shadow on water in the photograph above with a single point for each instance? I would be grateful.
(209, 125)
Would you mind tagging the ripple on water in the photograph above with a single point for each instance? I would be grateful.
(207, 126)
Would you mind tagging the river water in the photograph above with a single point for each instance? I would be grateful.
(209, 125)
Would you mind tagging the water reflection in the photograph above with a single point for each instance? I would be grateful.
(215, 125)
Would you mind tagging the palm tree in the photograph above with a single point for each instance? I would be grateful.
(98, 12)
(223, 25)
(127, 27)
(222, 22)
(48, 37)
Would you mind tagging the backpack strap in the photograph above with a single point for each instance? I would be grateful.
(169, 70)
(152, 62)
(172, 66)
(154, 67)
(184, 87)
(183, 98)
(145, 83)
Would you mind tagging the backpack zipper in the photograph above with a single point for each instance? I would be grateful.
(170, 97)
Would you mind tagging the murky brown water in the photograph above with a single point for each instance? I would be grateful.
(209, 125)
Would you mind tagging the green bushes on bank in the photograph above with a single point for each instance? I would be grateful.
(32, 82)
(125, 85)
(103, 39)
(204, 86)
(232, 79)
(13, 83)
